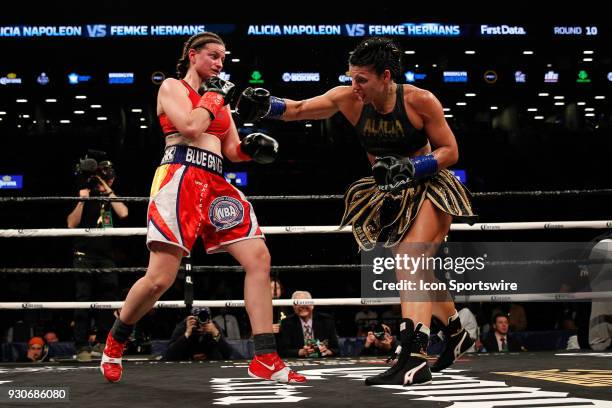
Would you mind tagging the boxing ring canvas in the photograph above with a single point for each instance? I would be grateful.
(525, 379)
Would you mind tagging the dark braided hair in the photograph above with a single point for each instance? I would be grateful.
(197, 42)
(379, 53)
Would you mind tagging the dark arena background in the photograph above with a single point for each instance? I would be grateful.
(525, 92)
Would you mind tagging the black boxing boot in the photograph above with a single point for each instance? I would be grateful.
(411, 366)
(457, 342)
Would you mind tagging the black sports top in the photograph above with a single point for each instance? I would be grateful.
(391, 133)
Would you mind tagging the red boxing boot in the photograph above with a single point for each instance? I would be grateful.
(111, 359)
(271, 367)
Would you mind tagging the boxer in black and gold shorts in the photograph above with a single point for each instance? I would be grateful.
(411, 198)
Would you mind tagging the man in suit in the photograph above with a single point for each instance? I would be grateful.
(307, 334)
(501, 340)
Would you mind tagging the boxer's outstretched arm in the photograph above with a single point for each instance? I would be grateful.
(319, 107)
(256, 104)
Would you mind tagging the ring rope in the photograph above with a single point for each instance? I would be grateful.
(324, 197)
(293, 268)
(523, 297)
(197, 269)
(307, 229)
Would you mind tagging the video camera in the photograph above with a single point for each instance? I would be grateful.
(93, 165)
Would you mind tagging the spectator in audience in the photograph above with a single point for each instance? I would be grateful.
(392, 316)
(50, 337)
(487, 326)
(307, 334)
(197, 338)
(365, 319)
(501, 339)
(379, 342)
(278, 312)
(518, 318)
(470, 325)
(37, 351)
(600, 275)
(228, 324)
(276, 287)
(568, 316)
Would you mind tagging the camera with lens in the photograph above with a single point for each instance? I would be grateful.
(202, 314)
(91, 167)
(379, 332)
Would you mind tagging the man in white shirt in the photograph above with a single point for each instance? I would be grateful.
(470, 325)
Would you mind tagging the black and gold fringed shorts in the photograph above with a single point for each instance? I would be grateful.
(384, 217)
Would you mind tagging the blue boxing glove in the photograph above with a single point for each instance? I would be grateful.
(257, 103)
(393, 174)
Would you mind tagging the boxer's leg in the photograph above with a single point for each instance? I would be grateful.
(253, 255)
(164, 262)
(426, 233)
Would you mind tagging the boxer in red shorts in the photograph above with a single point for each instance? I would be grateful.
(194, 199)
(191, 198)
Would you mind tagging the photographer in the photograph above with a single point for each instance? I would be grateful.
(94, 180)
(197, 338)
(379, 342)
